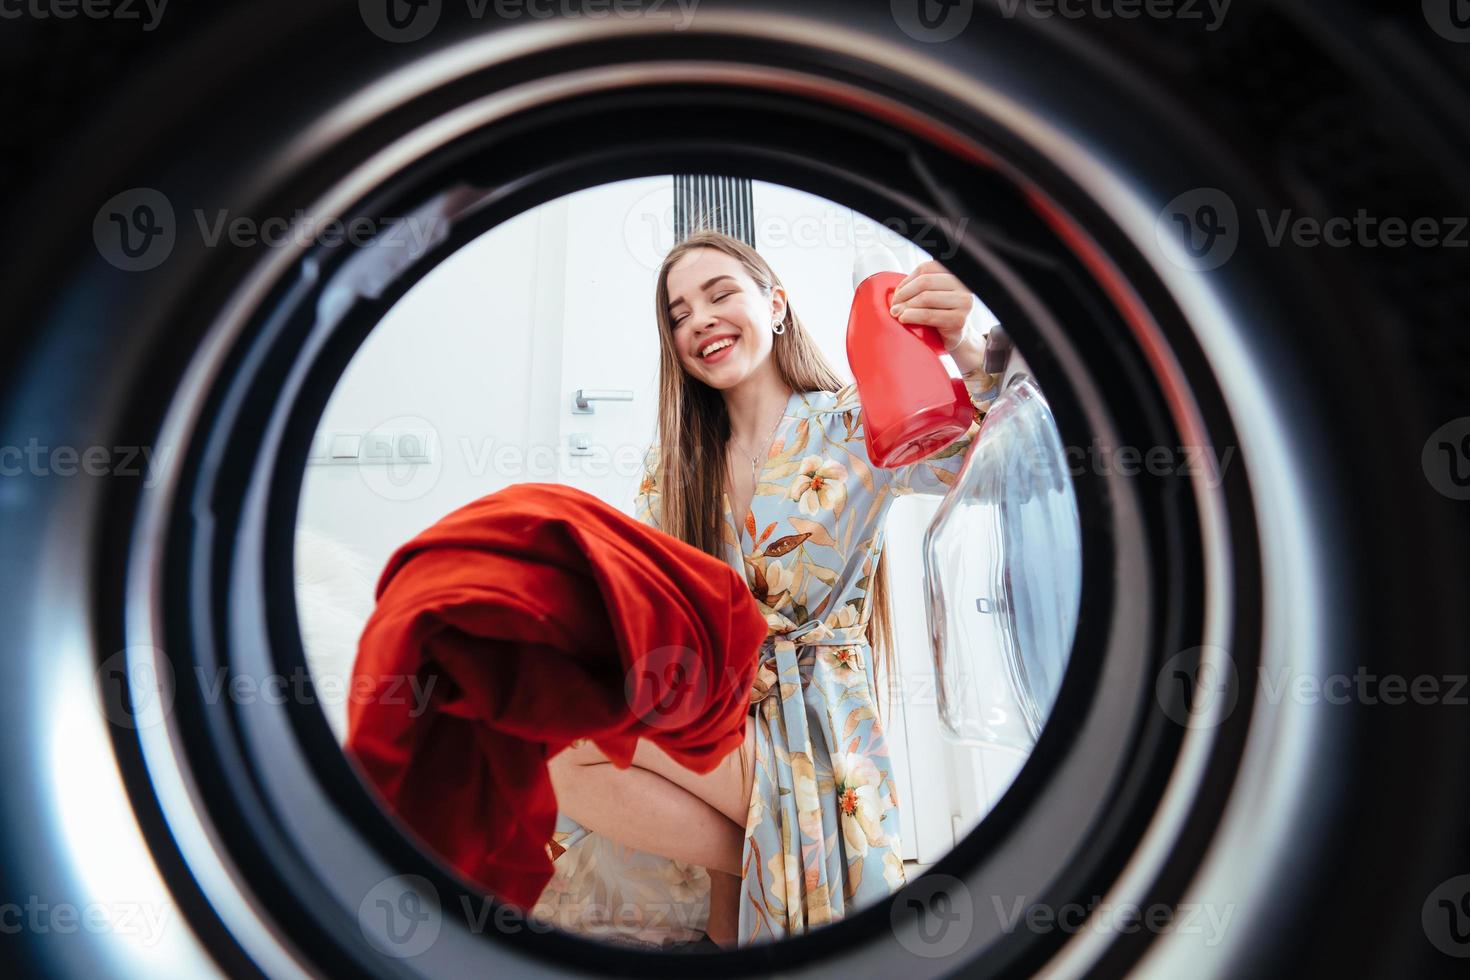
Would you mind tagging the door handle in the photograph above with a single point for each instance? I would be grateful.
(584, 397)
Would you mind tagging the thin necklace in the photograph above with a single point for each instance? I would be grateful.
(755, 460)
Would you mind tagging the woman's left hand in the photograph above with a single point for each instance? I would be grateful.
(935, 297)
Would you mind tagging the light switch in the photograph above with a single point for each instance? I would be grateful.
(413, 447)
(378, 447)
(345, 445)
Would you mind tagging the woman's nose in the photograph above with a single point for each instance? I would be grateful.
(706, 331)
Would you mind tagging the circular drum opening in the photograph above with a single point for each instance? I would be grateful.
(1054, 199)
(952, 721)
(1095, 773)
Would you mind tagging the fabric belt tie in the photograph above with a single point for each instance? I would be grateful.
(778, 661)
(779, 671)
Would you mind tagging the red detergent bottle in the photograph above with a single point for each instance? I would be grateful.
(912, 408)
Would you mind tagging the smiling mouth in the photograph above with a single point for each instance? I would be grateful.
(719, 354)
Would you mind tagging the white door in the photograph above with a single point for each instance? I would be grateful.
(616, 236)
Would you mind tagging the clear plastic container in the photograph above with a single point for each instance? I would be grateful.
(1003, 577)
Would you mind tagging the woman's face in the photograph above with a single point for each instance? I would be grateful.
(712, 298)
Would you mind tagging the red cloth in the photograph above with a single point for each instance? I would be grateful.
(541, 615)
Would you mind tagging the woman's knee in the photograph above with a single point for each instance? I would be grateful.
(583, 752)
(564, 764)
(564, 770)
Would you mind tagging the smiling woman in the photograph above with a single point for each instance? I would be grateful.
(817, 571)
(723, 333)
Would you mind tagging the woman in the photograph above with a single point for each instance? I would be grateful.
(802, 825)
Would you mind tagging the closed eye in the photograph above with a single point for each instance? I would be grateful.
(680, 319)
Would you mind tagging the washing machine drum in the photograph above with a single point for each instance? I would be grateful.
(1095, 180)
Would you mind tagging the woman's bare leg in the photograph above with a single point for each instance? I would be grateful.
(657, 805)
(727, 787)
(639, 808)
(724, 909)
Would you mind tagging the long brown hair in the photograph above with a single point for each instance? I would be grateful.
(694, 428)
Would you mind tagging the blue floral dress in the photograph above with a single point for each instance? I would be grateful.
(823, 832)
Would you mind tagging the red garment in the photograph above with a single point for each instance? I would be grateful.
(527, 610)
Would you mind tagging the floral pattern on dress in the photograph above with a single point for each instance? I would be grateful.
(823, 832)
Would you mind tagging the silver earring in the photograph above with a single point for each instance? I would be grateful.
(778, 327)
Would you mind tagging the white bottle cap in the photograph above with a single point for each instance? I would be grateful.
(874, 258)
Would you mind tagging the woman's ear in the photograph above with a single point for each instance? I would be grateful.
(778, 304)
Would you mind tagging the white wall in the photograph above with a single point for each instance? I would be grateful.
(486, 351)
(455, 355)
(616, 238)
